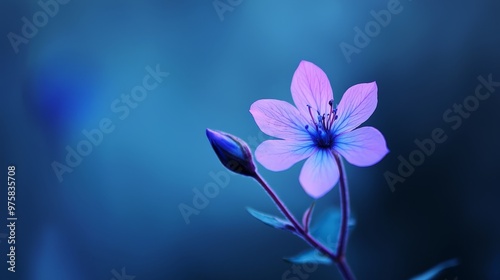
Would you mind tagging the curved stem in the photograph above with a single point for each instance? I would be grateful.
(338, 259)
(300, 230)
(344, 204)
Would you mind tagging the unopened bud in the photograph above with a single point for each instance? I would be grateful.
(233, 152)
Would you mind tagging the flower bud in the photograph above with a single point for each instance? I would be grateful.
(233, 152)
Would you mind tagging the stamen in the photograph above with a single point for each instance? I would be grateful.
(334, 113)
(310, 113)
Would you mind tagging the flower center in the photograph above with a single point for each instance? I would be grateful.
(321, 133)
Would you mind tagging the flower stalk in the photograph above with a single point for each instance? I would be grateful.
(337, 258)
(344, 224)
(345, 209)
(235, 154)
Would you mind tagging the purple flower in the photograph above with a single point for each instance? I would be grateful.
(316, 128)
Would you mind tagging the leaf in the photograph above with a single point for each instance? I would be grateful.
(311, 256)
(272, 221)
(306, 218)
(326, 229)
(435, 271)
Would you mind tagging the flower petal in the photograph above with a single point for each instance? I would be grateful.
(279, 155)
(355, 107)
(364, 146)
(279, 119)
(319, 174)
(310, 86)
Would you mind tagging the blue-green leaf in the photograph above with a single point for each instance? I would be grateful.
(311, 256)
(435, 271)
(270, 220)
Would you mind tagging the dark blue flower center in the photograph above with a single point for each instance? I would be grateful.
(321, 131)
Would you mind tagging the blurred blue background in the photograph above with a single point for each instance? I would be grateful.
(117, 212)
